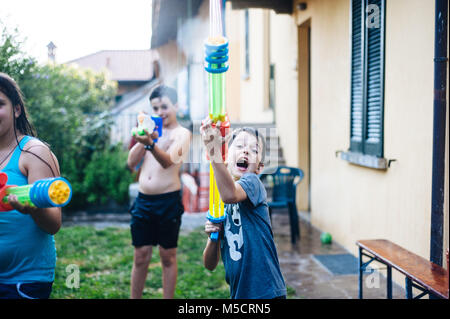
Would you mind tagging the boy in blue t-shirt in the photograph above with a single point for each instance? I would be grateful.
(246, 240)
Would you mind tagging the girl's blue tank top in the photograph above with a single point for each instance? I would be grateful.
(27, 253)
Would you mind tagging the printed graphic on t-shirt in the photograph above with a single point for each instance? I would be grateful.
(235, 239)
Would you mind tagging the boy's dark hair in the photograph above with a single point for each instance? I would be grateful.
(259, 137)
(163, 90)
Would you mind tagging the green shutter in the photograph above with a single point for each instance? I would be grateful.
(356, 95)
(373, 128)
(367, 81)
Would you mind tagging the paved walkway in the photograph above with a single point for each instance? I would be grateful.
(308, 277)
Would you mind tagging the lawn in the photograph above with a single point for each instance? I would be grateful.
(105, 257)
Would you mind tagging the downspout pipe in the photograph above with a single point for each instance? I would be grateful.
(439, 122)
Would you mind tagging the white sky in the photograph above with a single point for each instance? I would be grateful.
(79, 27)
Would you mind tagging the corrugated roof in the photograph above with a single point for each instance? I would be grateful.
(123, 65)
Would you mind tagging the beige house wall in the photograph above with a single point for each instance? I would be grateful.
(254, 89)
(234, 26)
(283, 53)
(349, 201)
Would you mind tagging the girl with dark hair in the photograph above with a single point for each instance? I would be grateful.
(27, 248)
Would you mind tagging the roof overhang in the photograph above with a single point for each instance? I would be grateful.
(279, 6)
(167, 16)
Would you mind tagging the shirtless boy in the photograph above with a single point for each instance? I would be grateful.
(156, 213)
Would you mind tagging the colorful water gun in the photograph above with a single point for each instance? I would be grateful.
(150, 123)
(49, 192)
(216, 64)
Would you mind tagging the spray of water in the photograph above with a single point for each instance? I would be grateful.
(215, 19)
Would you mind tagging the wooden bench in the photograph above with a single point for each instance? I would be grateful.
(420, 273)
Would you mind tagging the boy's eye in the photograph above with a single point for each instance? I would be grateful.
(164, 107)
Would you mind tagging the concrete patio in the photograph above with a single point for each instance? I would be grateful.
(309, 278)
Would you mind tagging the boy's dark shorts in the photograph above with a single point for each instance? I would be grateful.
(156, 219)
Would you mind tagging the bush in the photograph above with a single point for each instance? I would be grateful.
(106, 177)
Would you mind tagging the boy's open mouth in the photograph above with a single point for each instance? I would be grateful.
(242, 163)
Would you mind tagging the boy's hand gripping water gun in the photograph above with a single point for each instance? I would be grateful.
(149, 123)
(49, 192)
(216, 64)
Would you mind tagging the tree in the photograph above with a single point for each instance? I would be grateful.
(69, 109)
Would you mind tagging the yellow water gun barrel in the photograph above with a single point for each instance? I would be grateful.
(216, 64)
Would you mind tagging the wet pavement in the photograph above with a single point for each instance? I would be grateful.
(312, 280)
(190, 221)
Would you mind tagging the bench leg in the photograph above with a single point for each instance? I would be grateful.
(408, 288)
(360, 294)
(389, 282)
(293, 220)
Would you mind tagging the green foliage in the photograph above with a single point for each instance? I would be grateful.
(106, 176)
(69, 110)
(12, 60)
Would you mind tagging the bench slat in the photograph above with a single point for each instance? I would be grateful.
(428, 274)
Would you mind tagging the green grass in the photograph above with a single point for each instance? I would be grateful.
(105, 257)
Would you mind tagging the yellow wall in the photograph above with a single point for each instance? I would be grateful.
(283, 52)
(252, 92)
(234, 25)
(254, 89)
(349, 201)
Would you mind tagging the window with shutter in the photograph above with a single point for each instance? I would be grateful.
(367, 77)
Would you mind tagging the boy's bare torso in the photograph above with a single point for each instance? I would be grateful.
(154, 179)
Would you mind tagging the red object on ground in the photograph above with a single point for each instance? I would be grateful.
(190, 192)
(190, 201)
(203, 192)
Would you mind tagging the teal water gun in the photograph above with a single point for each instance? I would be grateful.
(48, 192)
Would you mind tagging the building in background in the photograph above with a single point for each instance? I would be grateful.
(178, 31)
(353, 108)
(136, 73)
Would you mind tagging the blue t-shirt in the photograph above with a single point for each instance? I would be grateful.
(27, 253)
(248, 251)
